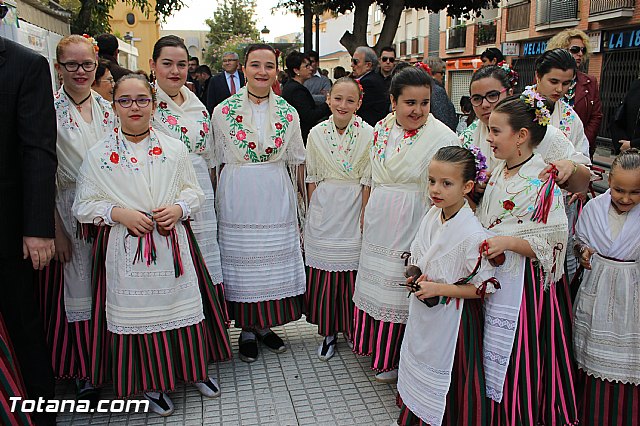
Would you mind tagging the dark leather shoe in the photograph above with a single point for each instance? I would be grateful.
(248, 349)
(273, 342)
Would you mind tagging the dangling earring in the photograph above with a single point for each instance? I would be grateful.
(519, 152)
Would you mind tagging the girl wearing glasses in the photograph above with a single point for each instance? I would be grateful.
(180, 114)
(140, 188)
(491, 84)
(583, 94)
(103, 83)
(403, 144)
(84, 118)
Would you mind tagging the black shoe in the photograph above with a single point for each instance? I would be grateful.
(90, 393)
(273, 342)
(248, 349)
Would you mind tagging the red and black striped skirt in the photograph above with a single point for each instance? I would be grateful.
(329, 301)
(382, 340)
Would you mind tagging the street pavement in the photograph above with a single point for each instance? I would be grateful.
(293, 388)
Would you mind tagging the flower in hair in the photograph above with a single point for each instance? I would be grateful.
(536, 102)
(481, 163)
(511, 73)
(361, 88)
(424, 66)
(93, 42)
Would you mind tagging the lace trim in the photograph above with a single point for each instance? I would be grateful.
(155, 328)
(329, 266)
(290, 289)
(230, 225)
(635, 381)
(381, 313)
(154, 292)
(77, 316)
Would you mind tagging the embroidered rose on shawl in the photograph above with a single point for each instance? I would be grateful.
(205, 127)
(252, 145)
(163, 105)
(134, 160)
(269, 150)
(246, 157)
(156, 150)
(239, 119)
(225, 110)
(115, 130)
(114, 158)
(355, 123)
(278, 126)
(278, 142)
(508, 205)
(204, 113)
(172, 120)
(183, 130)
(241, 135)
(289, 118)
(201, 133)
(106, 114)
(410, 133)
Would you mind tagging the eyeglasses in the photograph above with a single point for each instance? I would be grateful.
(390, 59)
(128, 102)
(73, 66)
(109, 80)
(229, 60)
(355, 61)
(492, 97)
(576, 49)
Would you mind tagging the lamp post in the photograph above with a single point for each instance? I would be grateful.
(265, 32)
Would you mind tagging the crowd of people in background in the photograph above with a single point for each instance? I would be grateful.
(155, 210)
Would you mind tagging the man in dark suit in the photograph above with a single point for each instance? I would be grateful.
(203, 75)
(225, 83)
(27, 188)
(375, 101)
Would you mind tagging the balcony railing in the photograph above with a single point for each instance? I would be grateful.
(486, 33)
(551, 11)
(605, 6)
(518, 17)
(457, 37)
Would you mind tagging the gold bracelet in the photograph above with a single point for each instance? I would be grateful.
(575, 167)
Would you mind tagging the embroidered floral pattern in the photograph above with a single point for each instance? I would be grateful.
(246, 139)
(381, 138)
(567, 117)
(195, 142)
(341, 150)
(119, 154)
(65, 120)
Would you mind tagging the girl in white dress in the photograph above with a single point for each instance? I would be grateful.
(607, 307)
(403, 144)
(180, 114)
(338, 180)
(441, 356)
(258, 141)
(148, 321)
(83, 118)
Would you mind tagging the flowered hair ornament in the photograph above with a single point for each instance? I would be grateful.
(424, 66)
(93, 42)
(511, 73)
(536, 102)
(481, 163)
(361, 88)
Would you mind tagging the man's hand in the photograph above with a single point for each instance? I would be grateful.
(624, 144)
(40, 250)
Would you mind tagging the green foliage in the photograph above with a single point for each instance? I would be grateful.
(92, 16)
(232, 18)
(236, 43)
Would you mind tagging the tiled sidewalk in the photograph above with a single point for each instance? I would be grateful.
(293, 388)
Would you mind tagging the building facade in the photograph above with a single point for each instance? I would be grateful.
(137, 29)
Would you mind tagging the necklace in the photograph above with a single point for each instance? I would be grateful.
(446, 219)
(134, 135)
(341, 128)
(77, 104)
(519, 164)
(259, 98)
(174, 96)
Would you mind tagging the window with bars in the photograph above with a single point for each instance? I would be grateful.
(434, 34)
(459, 86)
(550, 11)
(518, 17)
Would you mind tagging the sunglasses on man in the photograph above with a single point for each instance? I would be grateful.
(576, 49)
(390, 59)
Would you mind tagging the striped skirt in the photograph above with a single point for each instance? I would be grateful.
(329, 301)
(267, 313)
(466, 400)
(147, 362)
(605, 403)
(540, 383)
(10, 382)
(69, 343)
(382, 340)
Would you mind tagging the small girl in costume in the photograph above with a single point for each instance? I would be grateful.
(441, 375)
(403, 144)
(337, 160)
(527, 345)
(149, 280)
(607, 311)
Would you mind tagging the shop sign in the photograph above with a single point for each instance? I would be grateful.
(534, 48)
(595, 40)
(511, 49)
(625, 39)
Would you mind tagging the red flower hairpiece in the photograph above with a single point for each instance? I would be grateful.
(424, 66)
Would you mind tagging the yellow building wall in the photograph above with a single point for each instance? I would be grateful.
(144, 28)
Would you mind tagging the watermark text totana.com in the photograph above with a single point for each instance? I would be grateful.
(78, 406)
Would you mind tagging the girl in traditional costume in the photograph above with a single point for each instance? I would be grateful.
(338, 183)
(528, 356)
(491, 84)
(258, 141)
(441, 374)
(607, 307)
(148, 326)
(84, 118)
(403, 144)
(180, 114)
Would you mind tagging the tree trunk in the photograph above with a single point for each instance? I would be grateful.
(390, 26)
(360, 19)
(81, 24)
(308, 26)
